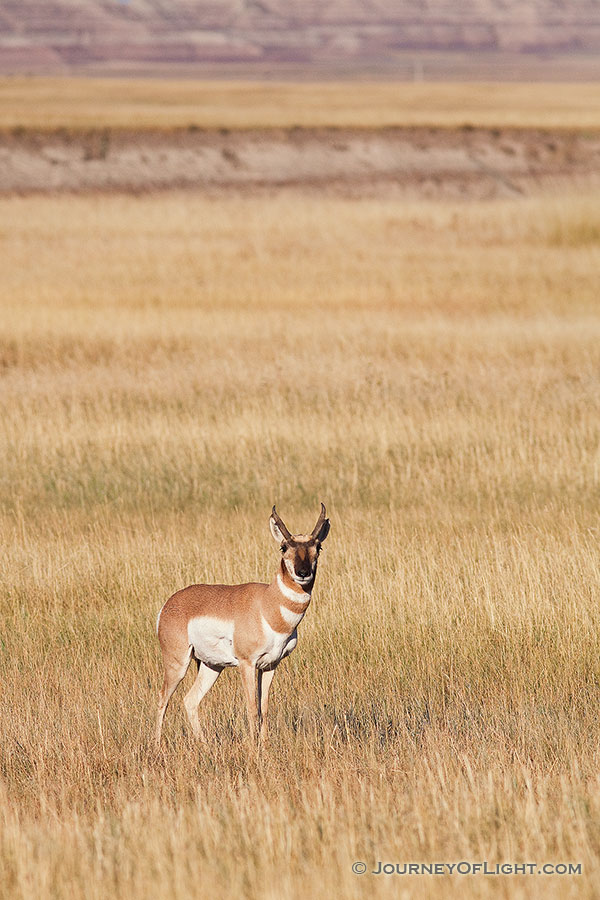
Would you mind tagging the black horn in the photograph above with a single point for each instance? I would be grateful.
(280, 524)
(321, 522)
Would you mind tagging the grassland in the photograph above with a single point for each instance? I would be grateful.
(171, 366)
(86, 103)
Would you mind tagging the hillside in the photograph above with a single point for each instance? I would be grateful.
(298, 35)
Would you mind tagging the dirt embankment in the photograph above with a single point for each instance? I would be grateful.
(469, 162)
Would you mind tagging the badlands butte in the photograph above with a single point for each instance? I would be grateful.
(461, 141)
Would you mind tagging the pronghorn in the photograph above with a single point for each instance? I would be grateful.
(252, 626)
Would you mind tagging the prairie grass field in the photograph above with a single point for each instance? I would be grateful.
(47, 103)
(170, 366)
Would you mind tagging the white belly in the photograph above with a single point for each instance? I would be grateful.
(275, 646)
(212, 640)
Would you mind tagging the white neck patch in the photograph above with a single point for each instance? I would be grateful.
(290, 593)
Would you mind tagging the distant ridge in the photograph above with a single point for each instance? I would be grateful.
(277, 37)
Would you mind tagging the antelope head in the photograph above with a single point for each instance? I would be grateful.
(300, 552)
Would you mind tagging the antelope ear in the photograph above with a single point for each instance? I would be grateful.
(323, 531)
(275, 531)
(278, 528)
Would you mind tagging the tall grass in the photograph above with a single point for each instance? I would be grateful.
(170, 367)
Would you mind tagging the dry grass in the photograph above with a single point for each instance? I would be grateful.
(170, 367)
(48, 103)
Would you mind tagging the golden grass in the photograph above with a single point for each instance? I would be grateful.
(170, 367)
(86, 103)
